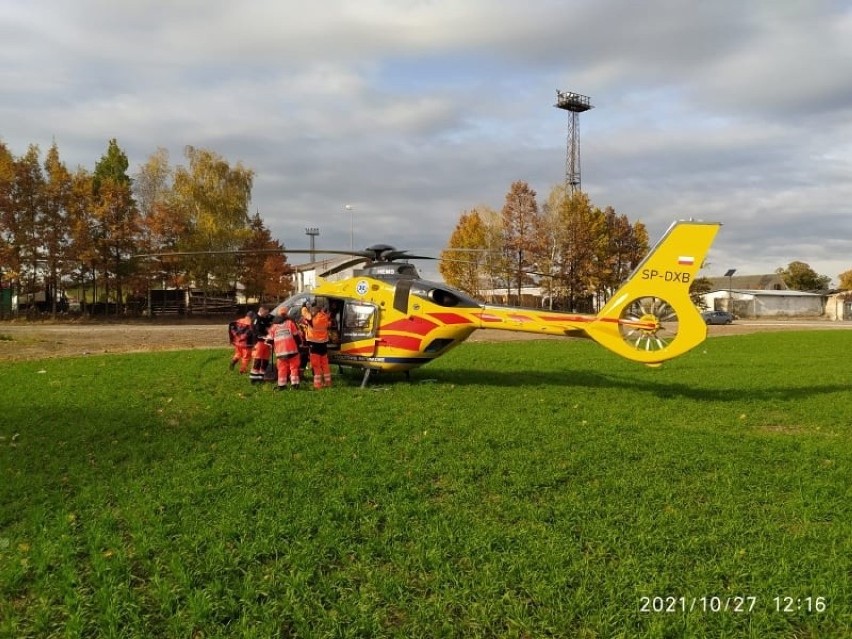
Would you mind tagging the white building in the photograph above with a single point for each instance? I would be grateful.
(766, 303)
(306, 276)
(838, 306)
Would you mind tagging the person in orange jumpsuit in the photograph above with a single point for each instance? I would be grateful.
(285, 337)
(240, 336)
(317, 338)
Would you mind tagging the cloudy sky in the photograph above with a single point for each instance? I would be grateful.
(413, 111)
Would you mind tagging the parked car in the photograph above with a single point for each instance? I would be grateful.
(717, 317)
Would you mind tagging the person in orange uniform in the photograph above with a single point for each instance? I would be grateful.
(317, 338)
(262, 352)
(304, 351)
(285, 338)
(240, 334)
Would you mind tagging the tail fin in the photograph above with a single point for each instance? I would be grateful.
(651, 318)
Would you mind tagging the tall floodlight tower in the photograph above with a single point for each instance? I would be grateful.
(312, 233)
(575, 104)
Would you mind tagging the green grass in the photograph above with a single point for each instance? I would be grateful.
(535, 489)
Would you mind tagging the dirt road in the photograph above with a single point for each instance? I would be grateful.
(22, 340)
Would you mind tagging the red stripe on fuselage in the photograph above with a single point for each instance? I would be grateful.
(416, 325)
(450, 318)
(487, 317)
(566, 318)
(367, 350)
(400, 341)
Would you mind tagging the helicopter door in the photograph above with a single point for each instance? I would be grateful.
(360, 321)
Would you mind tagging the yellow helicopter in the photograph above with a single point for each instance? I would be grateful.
(389, 319)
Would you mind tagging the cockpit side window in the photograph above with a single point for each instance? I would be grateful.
(442, 295)
(359, 321)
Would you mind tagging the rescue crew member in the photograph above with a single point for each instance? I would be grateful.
(304, 352)
(240, 336)
(262, 350)
(317, 338)
(285, 338)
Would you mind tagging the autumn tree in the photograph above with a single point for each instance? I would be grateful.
(463, 264)
(581, 237)
(7, 220)
(799, 276)
(495, 258)
(54, 223)
(623, 246)
(549, 232)
(846, 280)
(161, 227)
(24, 216)
(576, 250)
(521, 239)
(117, 217)
(212, 199)
(163, 224)
(82, 227)
(265, 273)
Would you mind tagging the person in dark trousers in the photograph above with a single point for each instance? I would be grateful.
(262, 352)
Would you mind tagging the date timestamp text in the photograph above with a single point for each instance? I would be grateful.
(730, 603)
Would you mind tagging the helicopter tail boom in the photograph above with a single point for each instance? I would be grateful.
(652, 318)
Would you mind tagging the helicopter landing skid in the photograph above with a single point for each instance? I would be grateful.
(368, 372)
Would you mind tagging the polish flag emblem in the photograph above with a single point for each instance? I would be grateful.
(686, 260)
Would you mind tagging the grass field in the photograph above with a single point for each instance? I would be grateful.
(535, 489)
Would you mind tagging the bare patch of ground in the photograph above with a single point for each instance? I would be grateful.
(37, 340)
(20, 341)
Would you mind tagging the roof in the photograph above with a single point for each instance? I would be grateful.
(765, 282)
(322, 265)
(762, 293)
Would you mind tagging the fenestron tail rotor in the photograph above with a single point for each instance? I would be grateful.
(648, 324)
(651, 318)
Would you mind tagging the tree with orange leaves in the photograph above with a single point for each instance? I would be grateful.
(463, 263)
(265, 274)
(521, 237)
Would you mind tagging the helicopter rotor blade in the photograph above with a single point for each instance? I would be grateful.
(342, 267)
(249, 252)
(403, 255)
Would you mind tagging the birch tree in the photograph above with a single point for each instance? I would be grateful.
(212, 199)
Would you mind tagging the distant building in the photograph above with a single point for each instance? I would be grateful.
(531, 296)
(767, 282)
(306, 276)
(838, 306)
(757, 303)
